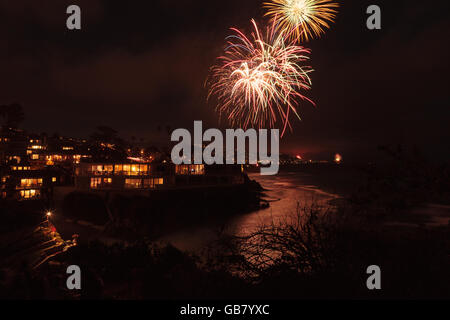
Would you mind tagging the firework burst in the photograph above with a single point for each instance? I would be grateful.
(304, 19)
(260, 79)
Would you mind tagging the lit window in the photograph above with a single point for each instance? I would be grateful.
(34, 157)
(97, 170)
(149, 183)
(109, 169)
(118, 168)
(152, 183)
(143, 169)
(29, 194)
(30, 183)
(96, 182)
(190, 169)
(133, 183)
(54, 179)
(136, 169)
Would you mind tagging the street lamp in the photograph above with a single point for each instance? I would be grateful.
(48, 214)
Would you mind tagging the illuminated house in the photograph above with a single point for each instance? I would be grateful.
(207, 175)
(36, 147)
(122, 176)
(150, 176)
(13, 144)
(194, 174)
(60, 158)
(57, 151)
(20, 182)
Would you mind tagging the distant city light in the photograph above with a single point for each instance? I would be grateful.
(299, 157)
(338, 158)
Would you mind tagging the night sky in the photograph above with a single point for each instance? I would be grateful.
(137, 66)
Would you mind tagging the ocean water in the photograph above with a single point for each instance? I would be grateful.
(284, 192)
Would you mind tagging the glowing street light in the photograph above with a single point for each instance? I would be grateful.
(48, 215)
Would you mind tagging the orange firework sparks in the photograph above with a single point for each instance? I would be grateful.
(304, 19)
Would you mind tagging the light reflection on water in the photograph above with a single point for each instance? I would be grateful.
(285, 192)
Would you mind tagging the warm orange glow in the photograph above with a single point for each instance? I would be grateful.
(31, 182)
(190, 169)
(29, 194)
(20, 168)
(131, 169)
(338, 158)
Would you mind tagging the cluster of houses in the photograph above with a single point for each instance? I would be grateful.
(32, 166)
